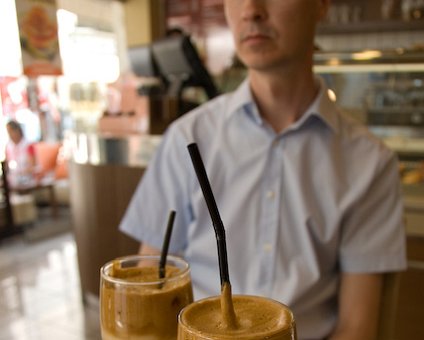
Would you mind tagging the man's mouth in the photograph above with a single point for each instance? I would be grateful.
(254, 38)
(256, 34)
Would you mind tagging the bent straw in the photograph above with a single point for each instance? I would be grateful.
(165, 245)
(213, 211)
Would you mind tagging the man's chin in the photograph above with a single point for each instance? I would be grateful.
(262, 64)
(271, 63)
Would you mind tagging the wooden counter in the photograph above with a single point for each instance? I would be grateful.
(409, 323)
(99, 197)
(104, 173)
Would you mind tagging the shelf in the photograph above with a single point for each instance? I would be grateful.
(396, 110)
(396, 118)
(397, 60)
(411, 146)
(371, 27)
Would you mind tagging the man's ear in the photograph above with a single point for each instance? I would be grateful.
(323, 6)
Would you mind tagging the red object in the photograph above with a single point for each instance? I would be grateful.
(9, 105)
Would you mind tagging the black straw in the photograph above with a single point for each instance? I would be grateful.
(213, 211)
(165, 245)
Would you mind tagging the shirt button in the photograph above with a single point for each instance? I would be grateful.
(270, 194)
(268, 247)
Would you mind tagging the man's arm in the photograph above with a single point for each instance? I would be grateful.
(146, 249)
(359, 306)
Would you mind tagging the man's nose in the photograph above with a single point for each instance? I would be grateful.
(254, 10)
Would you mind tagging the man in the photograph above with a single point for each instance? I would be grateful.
(310, 201)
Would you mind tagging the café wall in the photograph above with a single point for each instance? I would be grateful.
(144, 21)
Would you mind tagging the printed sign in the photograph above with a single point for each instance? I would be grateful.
(38, 33)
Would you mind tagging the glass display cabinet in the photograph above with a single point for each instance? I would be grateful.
(384, 90)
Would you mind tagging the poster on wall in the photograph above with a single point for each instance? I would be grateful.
(38, 34)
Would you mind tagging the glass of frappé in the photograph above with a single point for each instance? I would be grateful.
(257, 318)
(136, 304)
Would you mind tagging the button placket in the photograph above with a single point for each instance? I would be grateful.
(270, 218)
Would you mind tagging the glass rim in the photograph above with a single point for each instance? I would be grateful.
(185, 269)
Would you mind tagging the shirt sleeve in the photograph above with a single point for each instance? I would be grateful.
(373, 233)
(162, 188)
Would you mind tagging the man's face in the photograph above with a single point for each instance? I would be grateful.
(271, 33)
(14, 135)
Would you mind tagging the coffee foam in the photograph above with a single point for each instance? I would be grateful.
(258, 318)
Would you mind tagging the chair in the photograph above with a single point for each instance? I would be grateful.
(23, 209)
(15, 210)
(52, 163)
(388, 306)
(6, 214)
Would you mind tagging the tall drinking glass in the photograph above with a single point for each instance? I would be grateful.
(136, 304)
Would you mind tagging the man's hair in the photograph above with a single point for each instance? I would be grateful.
(15, 126)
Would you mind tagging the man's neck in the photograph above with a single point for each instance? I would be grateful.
(282, 98)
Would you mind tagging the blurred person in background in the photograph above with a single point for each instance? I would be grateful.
(20, 156)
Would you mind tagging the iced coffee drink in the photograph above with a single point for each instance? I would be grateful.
(136, 304)
(256, 318)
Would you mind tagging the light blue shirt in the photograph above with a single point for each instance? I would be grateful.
(322, 197)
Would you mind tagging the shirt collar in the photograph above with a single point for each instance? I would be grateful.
(322, 107)
(240, 99)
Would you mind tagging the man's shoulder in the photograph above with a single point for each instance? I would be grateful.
(208, 115)
(356, 137)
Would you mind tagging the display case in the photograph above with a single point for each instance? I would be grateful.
(363, 16)
(385, 91)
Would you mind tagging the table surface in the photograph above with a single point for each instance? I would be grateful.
(33, 185)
